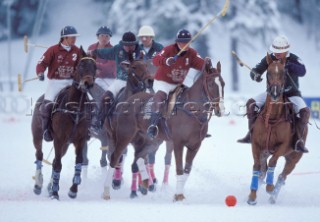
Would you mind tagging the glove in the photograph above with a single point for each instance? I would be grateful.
(290, 66)
(255, 76)
(170, 61)
(41, 76)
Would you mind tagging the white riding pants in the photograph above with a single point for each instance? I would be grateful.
(297, 101)
(116, 86)
(163, 86)
(104, 83)
(55, 86)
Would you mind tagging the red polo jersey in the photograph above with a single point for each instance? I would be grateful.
(177, 72)
(60, 63)
(107, 68)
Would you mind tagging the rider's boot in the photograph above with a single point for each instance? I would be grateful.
(302, 130)
(46, 110)
(252, 116)
(158, 100)
(103, 111)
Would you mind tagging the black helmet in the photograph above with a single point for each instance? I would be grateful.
(69, 31)
(104, 30)
(129, 38)
(183, 35)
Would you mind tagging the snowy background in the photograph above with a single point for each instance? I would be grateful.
(222, 166)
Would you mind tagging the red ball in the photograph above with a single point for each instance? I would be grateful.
(231, 201)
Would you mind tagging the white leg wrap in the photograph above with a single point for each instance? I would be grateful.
(108, 181)
(39, 178)
(181, 181)
(142, 169)
(109, 177)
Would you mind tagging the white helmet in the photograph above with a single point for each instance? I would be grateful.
(146, 31)
(280, 44)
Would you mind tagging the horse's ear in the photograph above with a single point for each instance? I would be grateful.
(125, 65)
(269, 59)
(219, 67)
(84, 54)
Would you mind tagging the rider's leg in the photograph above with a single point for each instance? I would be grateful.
(46, 110)
(158, 100)
(301, 108)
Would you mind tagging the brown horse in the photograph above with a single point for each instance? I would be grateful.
(273, 135)
(195, 106)
(69, 125)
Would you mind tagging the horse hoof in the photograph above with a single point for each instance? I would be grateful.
(251, 202)
(72, 195)
(272, 200)
(133, 194)
(143, 190)
(54, 197)
(152, 188)
(178, 197)
(116, 184)
(106, 196)
(37, 189)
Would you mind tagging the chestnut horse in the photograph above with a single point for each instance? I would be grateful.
(273, 135)
(195, 106)
(69, 125)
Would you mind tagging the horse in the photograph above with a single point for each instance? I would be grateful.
(69, 125)
(194, 105)
(273, 135)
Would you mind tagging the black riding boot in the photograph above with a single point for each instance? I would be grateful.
(152, 130)
(103, 111)
(46, 110)
(252, 116)
(158, 100)
(302, 129)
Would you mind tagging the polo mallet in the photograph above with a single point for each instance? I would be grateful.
(241, 63)
(26, 44)
(20, 82)
(221, 13)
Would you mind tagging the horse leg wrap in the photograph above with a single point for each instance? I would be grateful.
(181, 181)
(142, 169)
(38, 164)
(270, 175)
(77, 174)
(108, 179)
(166, 174)
(255, 180)
(134, 181)
(39, 178)
(117, 174)
(55, 181)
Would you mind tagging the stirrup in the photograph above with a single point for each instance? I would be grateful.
(152, 131)
(301, 149)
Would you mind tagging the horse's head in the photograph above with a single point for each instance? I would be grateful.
(276, 77)
(85, 72)
(139, 78)
(214, 87)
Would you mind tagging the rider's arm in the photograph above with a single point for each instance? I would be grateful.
(295, 66)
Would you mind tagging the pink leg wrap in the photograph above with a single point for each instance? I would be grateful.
(139, 179)
(134, 181)
(166, 174)
(117, 174)
(151, 171)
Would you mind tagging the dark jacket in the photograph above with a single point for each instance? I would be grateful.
(118, 54)
(295, 69)
(154, 49)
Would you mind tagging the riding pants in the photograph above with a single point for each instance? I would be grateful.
(55, 86)
(297, 101)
